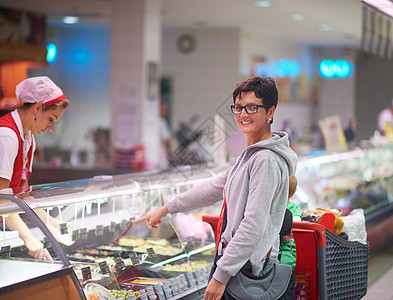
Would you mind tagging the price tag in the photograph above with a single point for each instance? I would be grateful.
(6, 251)
(104, 267)
(135, 260)
(150, 253)
(86, 273)
(123, 224)
(179, 283)
(190, 276)
(83, 233)
(131, 297)
(120, 265)
(45, 243)
(150, 293)
(167, 289)
(174, 287)
(142, 294)
(75, 235)
(112, 227)
(99, 230)
(63, 228)
(183, 280)
(159, 291)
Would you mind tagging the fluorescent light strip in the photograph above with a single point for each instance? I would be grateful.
(196, 251)
(262, 3)
(70, 20)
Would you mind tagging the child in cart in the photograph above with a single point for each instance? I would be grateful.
(288, 249)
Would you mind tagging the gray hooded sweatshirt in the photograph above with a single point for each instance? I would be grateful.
(256, 190)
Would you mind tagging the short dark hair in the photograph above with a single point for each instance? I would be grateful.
(264, 88)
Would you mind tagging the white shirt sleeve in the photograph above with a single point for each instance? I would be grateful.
(8, 152)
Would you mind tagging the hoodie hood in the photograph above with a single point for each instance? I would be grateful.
(279, 143)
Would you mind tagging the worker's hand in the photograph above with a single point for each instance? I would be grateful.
(36, 249)
(54, 225)
(153, 218)
(214, 290)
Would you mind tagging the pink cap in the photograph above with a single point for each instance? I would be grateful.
(39, 89)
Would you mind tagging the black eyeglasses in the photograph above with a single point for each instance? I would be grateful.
(250, 108)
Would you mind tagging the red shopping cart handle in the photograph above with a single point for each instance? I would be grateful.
(213, 222)
(320, 231)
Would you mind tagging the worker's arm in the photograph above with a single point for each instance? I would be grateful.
(4, 183)
(33, 245)
(53, 224)
(14, 222)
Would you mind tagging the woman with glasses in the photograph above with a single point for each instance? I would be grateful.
(254, 189)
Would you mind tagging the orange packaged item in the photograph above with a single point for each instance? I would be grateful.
(316, 216)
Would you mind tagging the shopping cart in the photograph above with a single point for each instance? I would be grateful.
(327, 266)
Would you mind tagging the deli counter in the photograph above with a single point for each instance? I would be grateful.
(97, 251)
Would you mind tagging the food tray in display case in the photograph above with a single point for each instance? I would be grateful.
(86, 225)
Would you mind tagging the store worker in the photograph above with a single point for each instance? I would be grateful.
(385, 118)
(43, 105)
(255, 188)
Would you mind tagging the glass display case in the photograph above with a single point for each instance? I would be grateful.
(361, 178)
(86, 227)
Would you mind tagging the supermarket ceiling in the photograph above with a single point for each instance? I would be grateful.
(310, 22)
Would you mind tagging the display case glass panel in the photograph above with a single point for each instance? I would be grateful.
(91, 221)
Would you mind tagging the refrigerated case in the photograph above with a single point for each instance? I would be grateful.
(86, 227)
(360, 178)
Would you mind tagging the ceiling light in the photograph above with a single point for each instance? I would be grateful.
(264, 3)
(326, 27)
(298, 17)
(70, 20)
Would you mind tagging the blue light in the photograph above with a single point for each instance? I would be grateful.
(280, 68)
(80, 56)
(339, 68)
(283, 68)
(51, 55)
(343, 68)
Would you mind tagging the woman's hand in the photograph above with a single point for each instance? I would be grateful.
(214, 290)
(153, 218)
(35, 248)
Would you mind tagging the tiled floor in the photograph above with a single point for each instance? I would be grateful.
(380, 271)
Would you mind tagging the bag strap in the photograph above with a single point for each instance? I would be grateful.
(221, 225)
(286, 229)
(267, 258)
